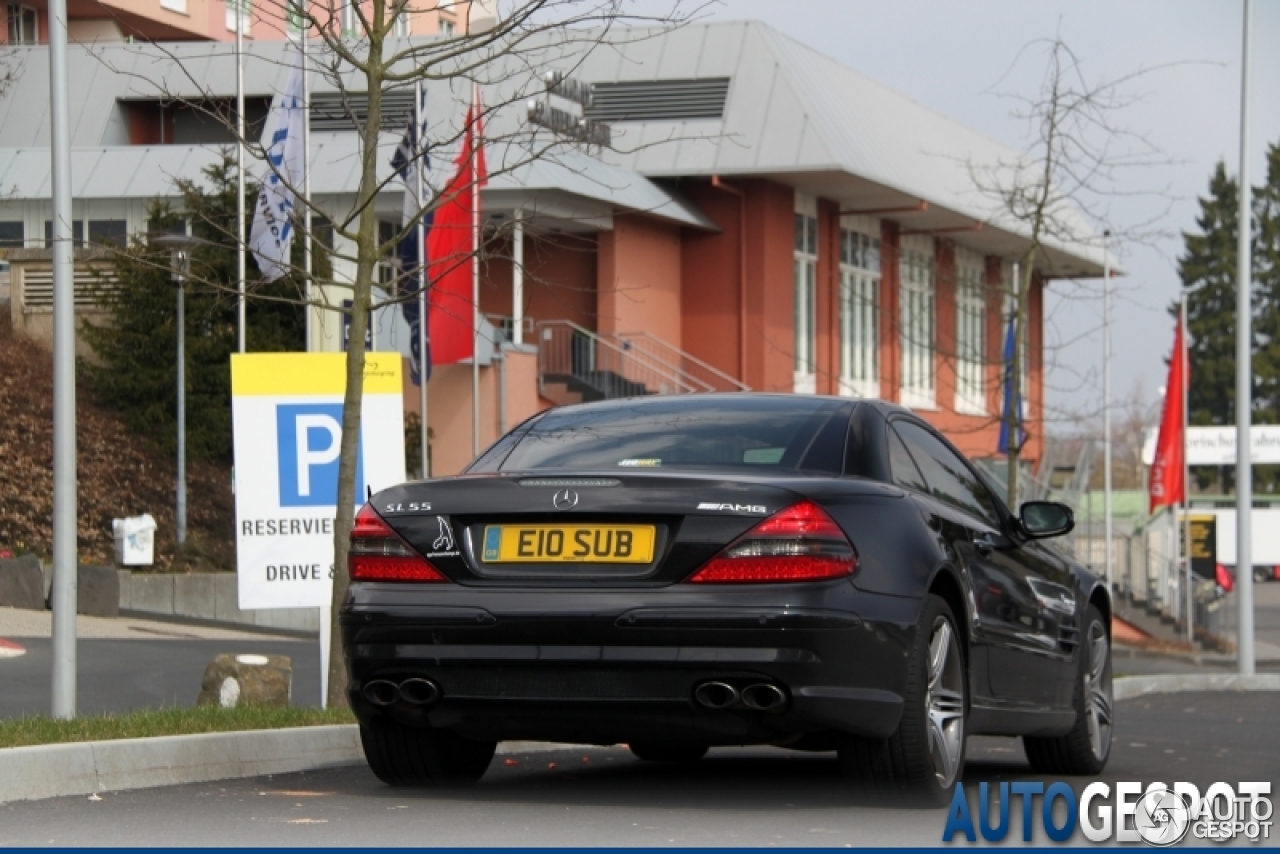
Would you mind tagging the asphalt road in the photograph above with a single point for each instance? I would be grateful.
(124, 675)
(603, 796)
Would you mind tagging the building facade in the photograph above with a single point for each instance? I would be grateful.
(764, 219)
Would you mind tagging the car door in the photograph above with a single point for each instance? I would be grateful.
(1017, 618)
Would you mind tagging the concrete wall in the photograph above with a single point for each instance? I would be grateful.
(638, 280)
(205, 596)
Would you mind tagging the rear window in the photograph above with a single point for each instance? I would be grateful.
(776, 434)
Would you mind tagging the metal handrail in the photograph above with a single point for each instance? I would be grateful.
(558, 354)
(733, 384)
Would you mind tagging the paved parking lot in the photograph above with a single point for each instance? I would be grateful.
(603, 796)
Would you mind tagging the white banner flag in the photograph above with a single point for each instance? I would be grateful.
(272, 233)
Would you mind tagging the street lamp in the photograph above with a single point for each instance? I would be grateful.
(180, 247)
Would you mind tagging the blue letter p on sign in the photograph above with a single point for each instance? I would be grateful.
(308, 438)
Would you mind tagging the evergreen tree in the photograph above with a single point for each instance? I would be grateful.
(134, 369)
(1208, 269)
(1266, 283)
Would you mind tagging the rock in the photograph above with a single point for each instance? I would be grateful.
(257, 680)
(22, 583)
(97, 591)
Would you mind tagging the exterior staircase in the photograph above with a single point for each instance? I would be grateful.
(576, 365)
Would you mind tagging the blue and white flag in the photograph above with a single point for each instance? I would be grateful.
(1012, 394)
(411, 162)
(272, 234)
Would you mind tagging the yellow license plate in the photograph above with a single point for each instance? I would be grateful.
(568, 544)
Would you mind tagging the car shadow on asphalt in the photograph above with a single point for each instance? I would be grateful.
(726, 780)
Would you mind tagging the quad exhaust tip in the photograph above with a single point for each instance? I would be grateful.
(419, 692)
(763, 697)
(381, 692)
(415, 691)
(716, 695)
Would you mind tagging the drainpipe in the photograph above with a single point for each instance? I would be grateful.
(742, 273)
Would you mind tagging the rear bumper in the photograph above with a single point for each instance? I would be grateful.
(607, 666)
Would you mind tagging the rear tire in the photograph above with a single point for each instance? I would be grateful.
(1085, 749)
(409, 757)
(925, 757)
(660, 752)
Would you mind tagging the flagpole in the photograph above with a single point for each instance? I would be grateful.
(419, 149)
(1244, 377)
(307, 262)
(240, 253)
(475, 277)
(1185, 355)
(1106, 411)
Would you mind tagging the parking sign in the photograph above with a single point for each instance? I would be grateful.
(287, 422)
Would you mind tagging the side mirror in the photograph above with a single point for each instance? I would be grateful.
(1042, 519)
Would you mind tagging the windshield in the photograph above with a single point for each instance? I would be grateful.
(722, 432)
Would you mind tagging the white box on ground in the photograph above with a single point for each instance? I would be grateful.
(286, 411)
(135, 538)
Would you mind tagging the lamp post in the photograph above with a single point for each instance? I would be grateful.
(180, 247)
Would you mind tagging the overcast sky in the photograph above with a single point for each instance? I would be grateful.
(953, 57)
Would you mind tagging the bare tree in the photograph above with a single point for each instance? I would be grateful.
(1056, 192)
(356, 49)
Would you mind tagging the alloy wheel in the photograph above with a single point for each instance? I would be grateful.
(1099, 700)
(945, 703)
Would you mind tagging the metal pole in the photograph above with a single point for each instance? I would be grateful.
(307, 262)
(63, 591)
(240, 248)
(1185, 356)
(1244, 376)
(1108, 530)
(517, 279)
(475, 278)
(181, 512)
(419, 152)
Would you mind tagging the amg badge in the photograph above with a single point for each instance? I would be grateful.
(733, 508)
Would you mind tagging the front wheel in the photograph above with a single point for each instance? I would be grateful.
(1083, 750)
(420, 758)
(925, 757)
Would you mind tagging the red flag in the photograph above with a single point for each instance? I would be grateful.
(1166, 484)
(451, 250)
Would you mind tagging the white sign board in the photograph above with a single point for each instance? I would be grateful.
(286, 411)
(1216, 446)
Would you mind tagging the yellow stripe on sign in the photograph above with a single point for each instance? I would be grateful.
(310, 373)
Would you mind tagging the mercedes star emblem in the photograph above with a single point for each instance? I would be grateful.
(565, 499)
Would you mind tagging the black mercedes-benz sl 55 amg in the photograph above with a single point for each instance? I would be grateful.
(679, 572)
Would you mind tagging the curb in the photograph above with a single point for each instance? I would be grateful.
(1129, 687)
(83, 768)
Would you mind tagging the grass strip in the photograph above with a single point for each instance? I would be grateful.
(26, 731)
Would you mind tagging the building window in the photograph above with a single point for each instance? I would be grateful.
(400, 23)
(179, 6)
(294, 16)
(12, 234)
(243, 8)
(108, 232)
(77, 233)
(447, 27)
(859, 314)
(350, 21)
(917, 305)
(806, 297)
(23, 28)
(971, 320)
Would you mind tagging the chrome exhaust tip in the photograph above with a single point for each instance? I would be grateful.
(716, 695)
(380, 692)
(763, 697)
(419, 692)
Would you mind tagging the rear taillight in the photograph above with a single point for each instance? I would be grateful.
(799, 543)
(378, 554)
